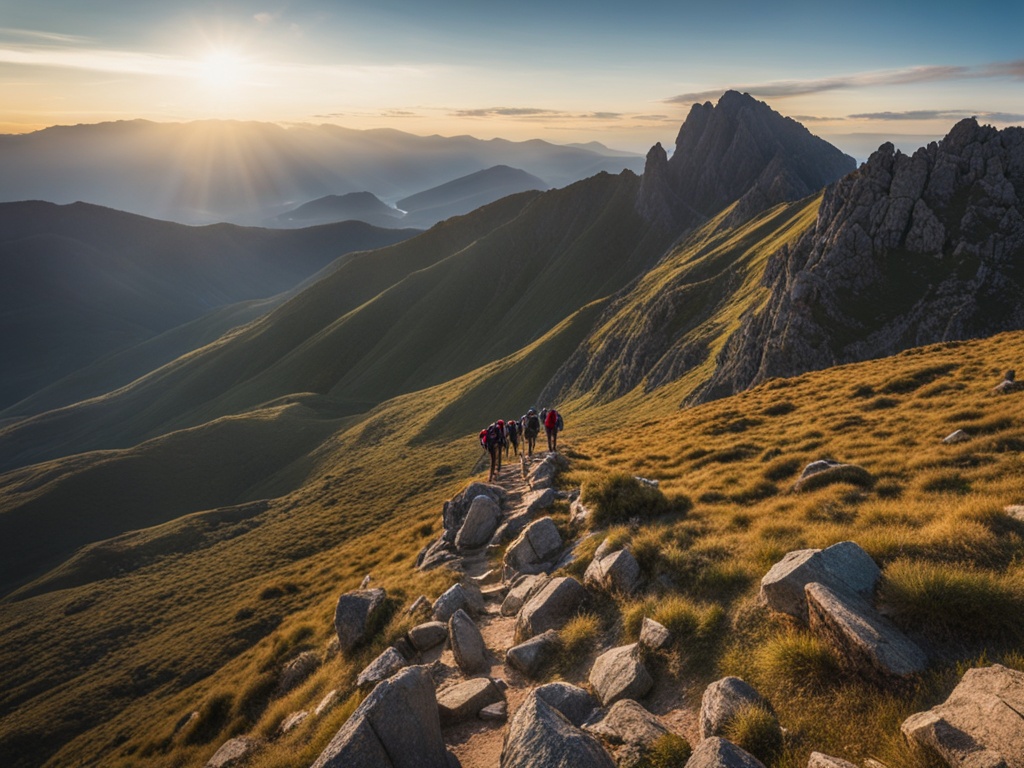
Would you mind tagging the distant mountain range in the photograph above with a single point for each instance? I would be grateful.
(217, 477)
(245, 172)
(422, 210)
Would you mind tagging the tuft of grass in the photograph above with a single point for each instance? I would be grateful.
(955, 602)
(797, 663)
(756, 729)
(618, 497)
(579, 637)
(669, 751)
(213, 716)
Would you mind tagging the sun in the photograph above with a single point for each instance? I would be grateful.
(222, 70)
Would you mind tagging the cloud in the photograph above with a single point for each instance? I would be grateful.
(264, 18)
(505, 112)
(780, 89)
(940, 114)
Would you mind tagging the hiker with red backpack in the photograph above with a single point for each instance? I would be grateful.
(512, 437)
(531, 428)
(552, 426)
(492, 438)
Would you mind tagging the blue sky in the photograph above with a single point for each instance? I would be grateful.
(622, 74)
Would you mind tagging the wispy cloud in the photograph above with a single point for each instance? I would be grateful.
(780, 89)
(34, 34)
(536, 113)
(940, 114)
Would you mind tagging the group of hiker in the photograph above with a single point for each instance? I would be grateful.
(503, 436)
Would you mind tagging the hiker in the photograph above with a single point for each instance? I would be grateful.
(492, 438)
(531, 428)
(512, 437)
(552, 425)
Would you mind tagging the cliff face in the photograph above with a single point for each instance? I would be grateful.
(909, 250)
(738, 150)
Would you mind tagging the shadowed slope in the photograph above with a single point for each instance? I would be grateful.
(79, 282)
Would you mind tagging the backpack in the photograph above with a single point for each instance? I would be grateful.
(512, 428)
(559, 424)
(532, 425)
(483, 437)
(493, 436)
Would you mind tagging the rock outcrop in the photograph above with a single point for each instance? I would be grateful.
(381, 668)
(980, 724)
(843, 565)
(539, 736)
(531, 656)
(396, 726)
(738, 150)
(233, 752)
(480, 524)
(467, 643)
(572, 701)
(613, 572)
(722, 701)
(717, 752)
(536, 549)
(463, 701)
(619, 673)
(867, 641)
(907, 251)
(550, 608)
(356, 616)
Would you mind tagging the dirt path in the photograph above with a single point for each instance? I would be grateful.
(477, 743)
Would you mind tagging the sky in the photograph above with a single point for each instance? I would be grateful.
(624, 74)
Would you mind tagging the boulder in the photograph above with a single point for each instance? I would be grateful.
(326, 703)
(543, 475)
(843, 565)
(466, 598)
(824, 472)
(1008, 387)
(620, 674)
(550, 608)
(579, 513)
(381, 668)
(653, 635)
(717, 752)
(464, 701)
(627, 722)
(1015, 511)
(522, 589)
(293, 721)
(956, 437)
(233, 752)
(497, 712)
(456, 509)
(297, 670)
(356, 616)
(722, 701)
(436, 553)
(428, 635)
(979, 724)
(819, 760)
(575, 703)
(396, 726)
(539, 736)
(419, 605)
(480, 523)
(866, 640)
(531, 656)
(614, 572)
(536, 548)
(467, 643)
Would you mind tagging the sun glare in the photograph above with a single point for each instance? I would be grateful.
(222, 70)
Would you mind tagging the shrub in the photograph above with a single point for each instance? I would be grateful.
(797, 663)
(669, 751)
(617, 497)
(213, 716)
(579, 637)
(954, 601)
(756, 729)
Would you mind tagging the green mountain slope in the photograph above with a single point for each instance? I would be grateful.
(79, 282)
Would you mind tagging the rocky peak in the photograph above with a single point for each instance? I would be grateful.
(909, 250)
(738, 150)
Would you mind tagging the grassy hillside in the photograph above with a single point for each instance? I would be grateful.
(208, 608)
(472, 290)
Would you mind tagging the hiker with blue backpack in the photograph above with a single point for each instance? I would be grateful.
(552, 426)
